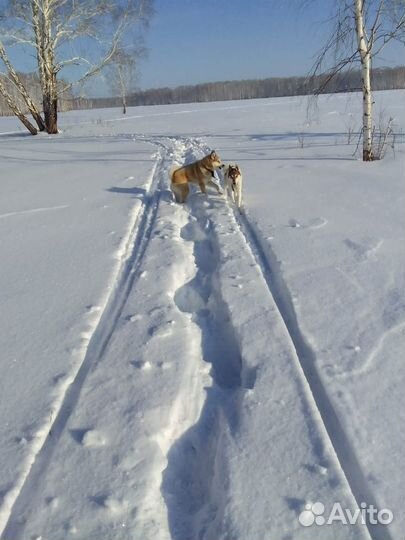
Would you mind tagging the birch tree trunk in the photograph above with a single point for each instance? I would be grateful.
(50, 104)
(42, 23)
(123, 89)
(51, 94)
(51, 26)
(14, 107)
(365, 58)
(13, 75)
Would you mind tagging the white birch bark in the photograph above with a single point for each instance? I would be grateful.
(48, 25)
(13, 75)
(42, 13)
(16, 110)
(361, 29)
(123, 89)
(364, 49)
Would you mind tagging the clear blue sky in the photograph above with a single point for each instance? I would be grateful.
(192, 41)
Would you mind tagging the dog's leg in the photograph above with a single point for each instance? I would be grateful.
(201, 183)
(232, 190)
(226, 190)
(239, 193)
(180, 192)
(186, 191)
(229, 192)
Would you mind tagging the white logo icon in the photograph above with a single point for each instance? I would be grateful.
(312, 514)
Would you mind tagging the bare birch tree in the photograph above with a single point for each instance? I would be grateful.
(362, 29)
(81, 36)
(16, 109)
(16, 80)
(122, 73)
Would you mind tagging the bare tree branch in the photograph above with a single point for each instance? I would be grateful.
(16, 110)
(103, 27)
(361, 30)
(15, 79)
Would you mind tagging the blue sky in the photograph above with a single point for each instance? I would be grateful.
(192, 41)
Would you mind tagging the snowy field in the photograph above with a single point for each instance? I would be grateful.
(191, 372)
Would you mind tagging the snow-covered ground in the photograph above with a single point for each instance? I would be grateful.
(193, 372)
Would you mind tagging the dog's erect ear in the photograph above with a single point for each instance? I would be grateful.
(213, 154)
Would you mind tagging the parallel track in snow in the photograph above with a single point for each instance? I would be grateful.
(267, 262)
(40, 458)
(342, 446)
(345, 453)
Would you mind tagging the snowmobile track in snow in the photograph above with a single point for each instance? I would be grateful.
(194, 472)
(130, 269)
(344, 450)
(345, 453)
(138, 241)
(269, 267)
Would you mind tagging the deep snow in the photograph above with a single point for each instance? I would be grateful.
(192, 372)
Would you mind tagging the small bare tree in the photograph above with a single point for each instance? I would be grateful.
(53, 28)
(121, 74)
(362, 29)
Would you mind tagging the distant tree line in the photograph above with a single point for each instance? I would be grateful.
(349, 81)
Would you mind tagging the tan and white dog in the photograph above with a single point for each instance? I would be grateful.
(233, 184)
(200, 172)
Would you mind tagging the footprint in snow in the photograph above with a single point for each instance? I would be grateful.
(110, 503)
(133, 318)
(89, 438)
(161, 330)
(294, 223)
(59, 378)
(92, 309)
(147, 366)
(315, 223)
(142, 365)
(164, 365)
(157, 309)
(188, 299)
(52, 502)
(192, 232)
(365, 248)
(94, 438)
(354, 348)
